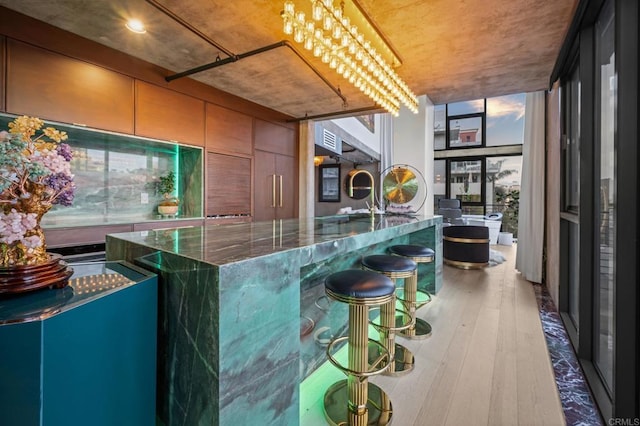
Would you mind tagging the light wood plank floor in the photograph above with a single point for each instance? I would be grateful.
(486, 362)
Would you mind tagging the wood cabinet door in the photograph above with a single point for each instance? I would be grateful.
(165, 114)
(275, 138)
(265, 186)
(56, 87)
(228, 131)
(228, 185)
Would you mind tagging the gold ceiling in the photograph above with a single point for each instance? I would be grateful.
(451, 50)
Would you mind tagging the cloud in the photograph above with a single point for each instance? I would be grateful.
(478, 104)
(506, 106)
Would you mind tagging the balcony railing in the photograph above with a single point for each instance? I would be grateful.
(509, 214)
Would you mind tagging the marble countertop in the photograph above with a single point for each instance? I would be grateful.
(232, 243)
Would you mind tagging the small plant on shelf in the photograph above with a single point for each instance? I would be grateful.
(166, 185)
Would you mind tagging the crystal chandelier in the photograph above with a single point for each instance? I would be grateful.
(333, 38)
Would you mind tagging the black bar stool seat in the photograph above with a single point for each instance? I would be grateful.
(414, 252)
(355, 401)
(384, 262)
(391, 319)
(358, 287)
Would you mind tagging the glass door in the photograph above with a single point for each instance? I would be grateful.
(571, 192)
(605, 186)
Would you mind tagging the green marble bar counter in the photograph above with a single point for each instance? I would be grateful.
(235, 301)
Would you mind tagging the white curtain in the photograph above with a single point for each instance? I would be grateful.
(531, 213)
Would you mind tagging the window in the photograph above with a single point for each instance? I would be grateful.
(466, 186)
(439, 127)
(484, 179)
(505, 120)
(605, 191)
(503, 189)
(439, 181)
(466, 107)
(465, 131)
(571, 143)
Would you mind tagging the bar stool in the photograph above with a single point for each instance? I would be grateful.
(355, 401)
(410, 294)
(393, 267)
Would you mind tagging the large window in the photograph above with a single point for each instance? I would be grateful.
(478, 155)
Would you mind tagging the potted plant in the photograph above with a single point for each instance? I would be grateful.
(166, 185)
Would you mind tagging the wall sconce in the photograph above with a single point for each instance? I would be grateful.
(335, 38)
(317, 160)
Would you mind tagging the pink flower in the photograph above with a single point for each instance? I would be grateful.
(32, 242)
(14, 225)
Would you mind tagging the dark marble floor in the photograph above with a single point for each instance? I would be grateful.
(577, 402)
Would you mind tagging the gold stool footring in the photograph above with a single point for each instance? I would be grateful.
(403, 360)
(378, 408)
(421, 330)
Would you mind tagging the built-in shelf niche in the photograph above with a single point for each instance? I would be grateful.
(115, 176)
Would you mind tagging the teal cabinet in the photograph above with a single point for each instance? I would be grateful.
(82, 355)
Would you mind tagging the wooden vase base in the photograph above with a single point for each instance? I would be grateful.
(54, 273)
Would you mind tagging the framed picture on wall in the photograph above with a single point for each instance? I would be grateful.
(368, 121)
(329, 187)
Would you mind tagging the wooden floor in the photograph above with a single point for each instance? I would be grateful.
(486, 362)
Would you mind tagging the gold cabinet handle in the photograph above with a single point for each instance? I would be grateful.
(280, 177)
(273, 190)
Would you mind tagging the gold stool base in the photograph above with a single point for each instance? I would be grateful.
(336, 401)
(403, 362)
(421, 330)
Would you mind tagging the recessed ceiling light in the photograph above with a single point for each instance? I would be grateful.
(136, 26)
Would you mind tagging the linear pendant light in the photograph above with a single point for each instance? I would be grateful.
(332, 37)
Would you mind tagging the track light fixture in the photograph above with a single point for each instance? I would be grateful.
(336, 39)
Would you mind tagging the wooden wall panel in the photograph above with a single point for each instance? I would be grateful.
(164, 114)
(21, 27)
(83, 235)
(228, 185)
(228, 131)
(275, 138)
(53, 86)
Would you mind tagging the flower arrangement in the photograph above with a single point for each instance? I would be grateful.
(35, 174)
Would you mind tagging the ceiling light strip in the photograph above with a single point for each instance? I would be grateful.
(341, 45)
